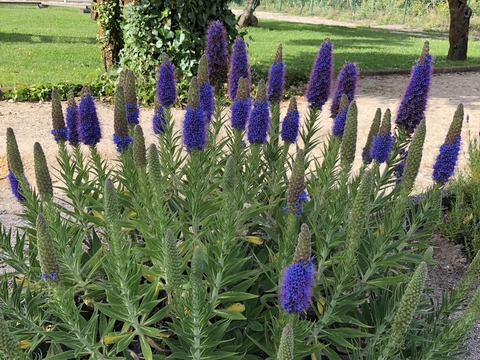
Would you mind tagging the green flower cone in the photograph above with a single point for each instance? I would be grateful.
(366, 157)
(414, 158)
(15, 164)
(172, 262)
(42, 175)
(8, 345)
(349, 140)
(139, 151)
(285, 349)
(46, 251)
(58, 121)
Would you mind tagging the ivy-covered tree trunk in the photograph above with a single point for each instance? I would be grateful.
(110, 32)
(460, 14)
(247, 18)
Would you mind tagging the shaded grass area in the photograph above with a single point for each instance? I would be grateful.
(371, 49)
(50, 45)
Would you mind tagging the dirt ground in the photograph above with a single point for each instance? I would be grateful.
(32, 122)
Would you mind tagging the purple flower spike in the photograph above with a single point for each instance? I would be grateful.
(89, 127)
(60, 134)
(166, 85)
(194, 126)
(241, 106)
(259, 118)
(319, 85)
(15, 187)
(72, 118)
(414, 100)
(276, 78)
(159, 121)
(206, 99)
(290, 123)
(239, 66)
(346, 84)
(216, 50)
(133, 112)
(339, 123)
(122, 142)
(382, 144)
(296, 287)
(446, 161)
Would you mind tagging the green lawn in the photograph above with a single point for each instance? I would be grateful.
(371, 49)
(50, 45)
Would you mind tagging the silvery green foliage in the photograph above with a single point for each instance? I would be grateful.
(174, 254)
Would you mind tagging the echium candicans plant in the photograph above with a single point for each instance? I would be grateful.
(341, 118)
(239, 67)
(447, 158)
(205, 90)
(42, 175)
(241, 107)
(127, 80)
(72, 119)
(194, 127)
(290, 124)
(16, 173)
(216, 51)
(414, 100)
(414, 158)
(158, 120)
(120, 123)
(89, 126)
(59, 130)
(319, 84)
(383, 141)
(346, 84)
(286, 346)
(298, 278)
(349, 140)
(367, 149)
(46, 252)
(9, 348)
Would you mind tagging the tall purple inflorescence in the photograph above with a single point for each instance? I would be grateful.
(216, 50)
(341, 119)
(383, 141)
(298, 279)
(194, 127)
(166, 85)
(205, 90)
(447, 159)
(59, 130)
(290, 123)
(238, 67)
(72, 118)
(241, 106)
(89, 127)
(15, 187)
(259, 118)
(319, 85)
(346, 84)
(276, 78)
(414, 100)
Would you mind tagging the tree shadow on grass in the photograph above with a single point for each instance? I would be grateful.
(33, 38)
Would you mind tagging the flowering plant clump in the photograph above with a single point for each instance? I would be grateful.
(202, 244)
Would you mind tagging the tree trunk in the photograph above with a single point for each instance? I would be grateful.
(460, 14)
(111, 41)
(247, 18)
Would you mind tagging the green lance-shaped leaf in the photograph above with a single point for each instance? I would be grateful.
(139, 151)
(58, 122)
(414, 158)
(373, 131)
(46, 251)
(455, 129)
(172, 263)
(42, 175)
(14, 160)
(285, 349)
(296, 186)
(9, 348)
(303, 251)
(358, 218)
(196, 274)
(154, 167)
(120, 123)
(428, 255)
(349, 140)
(407, 308)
